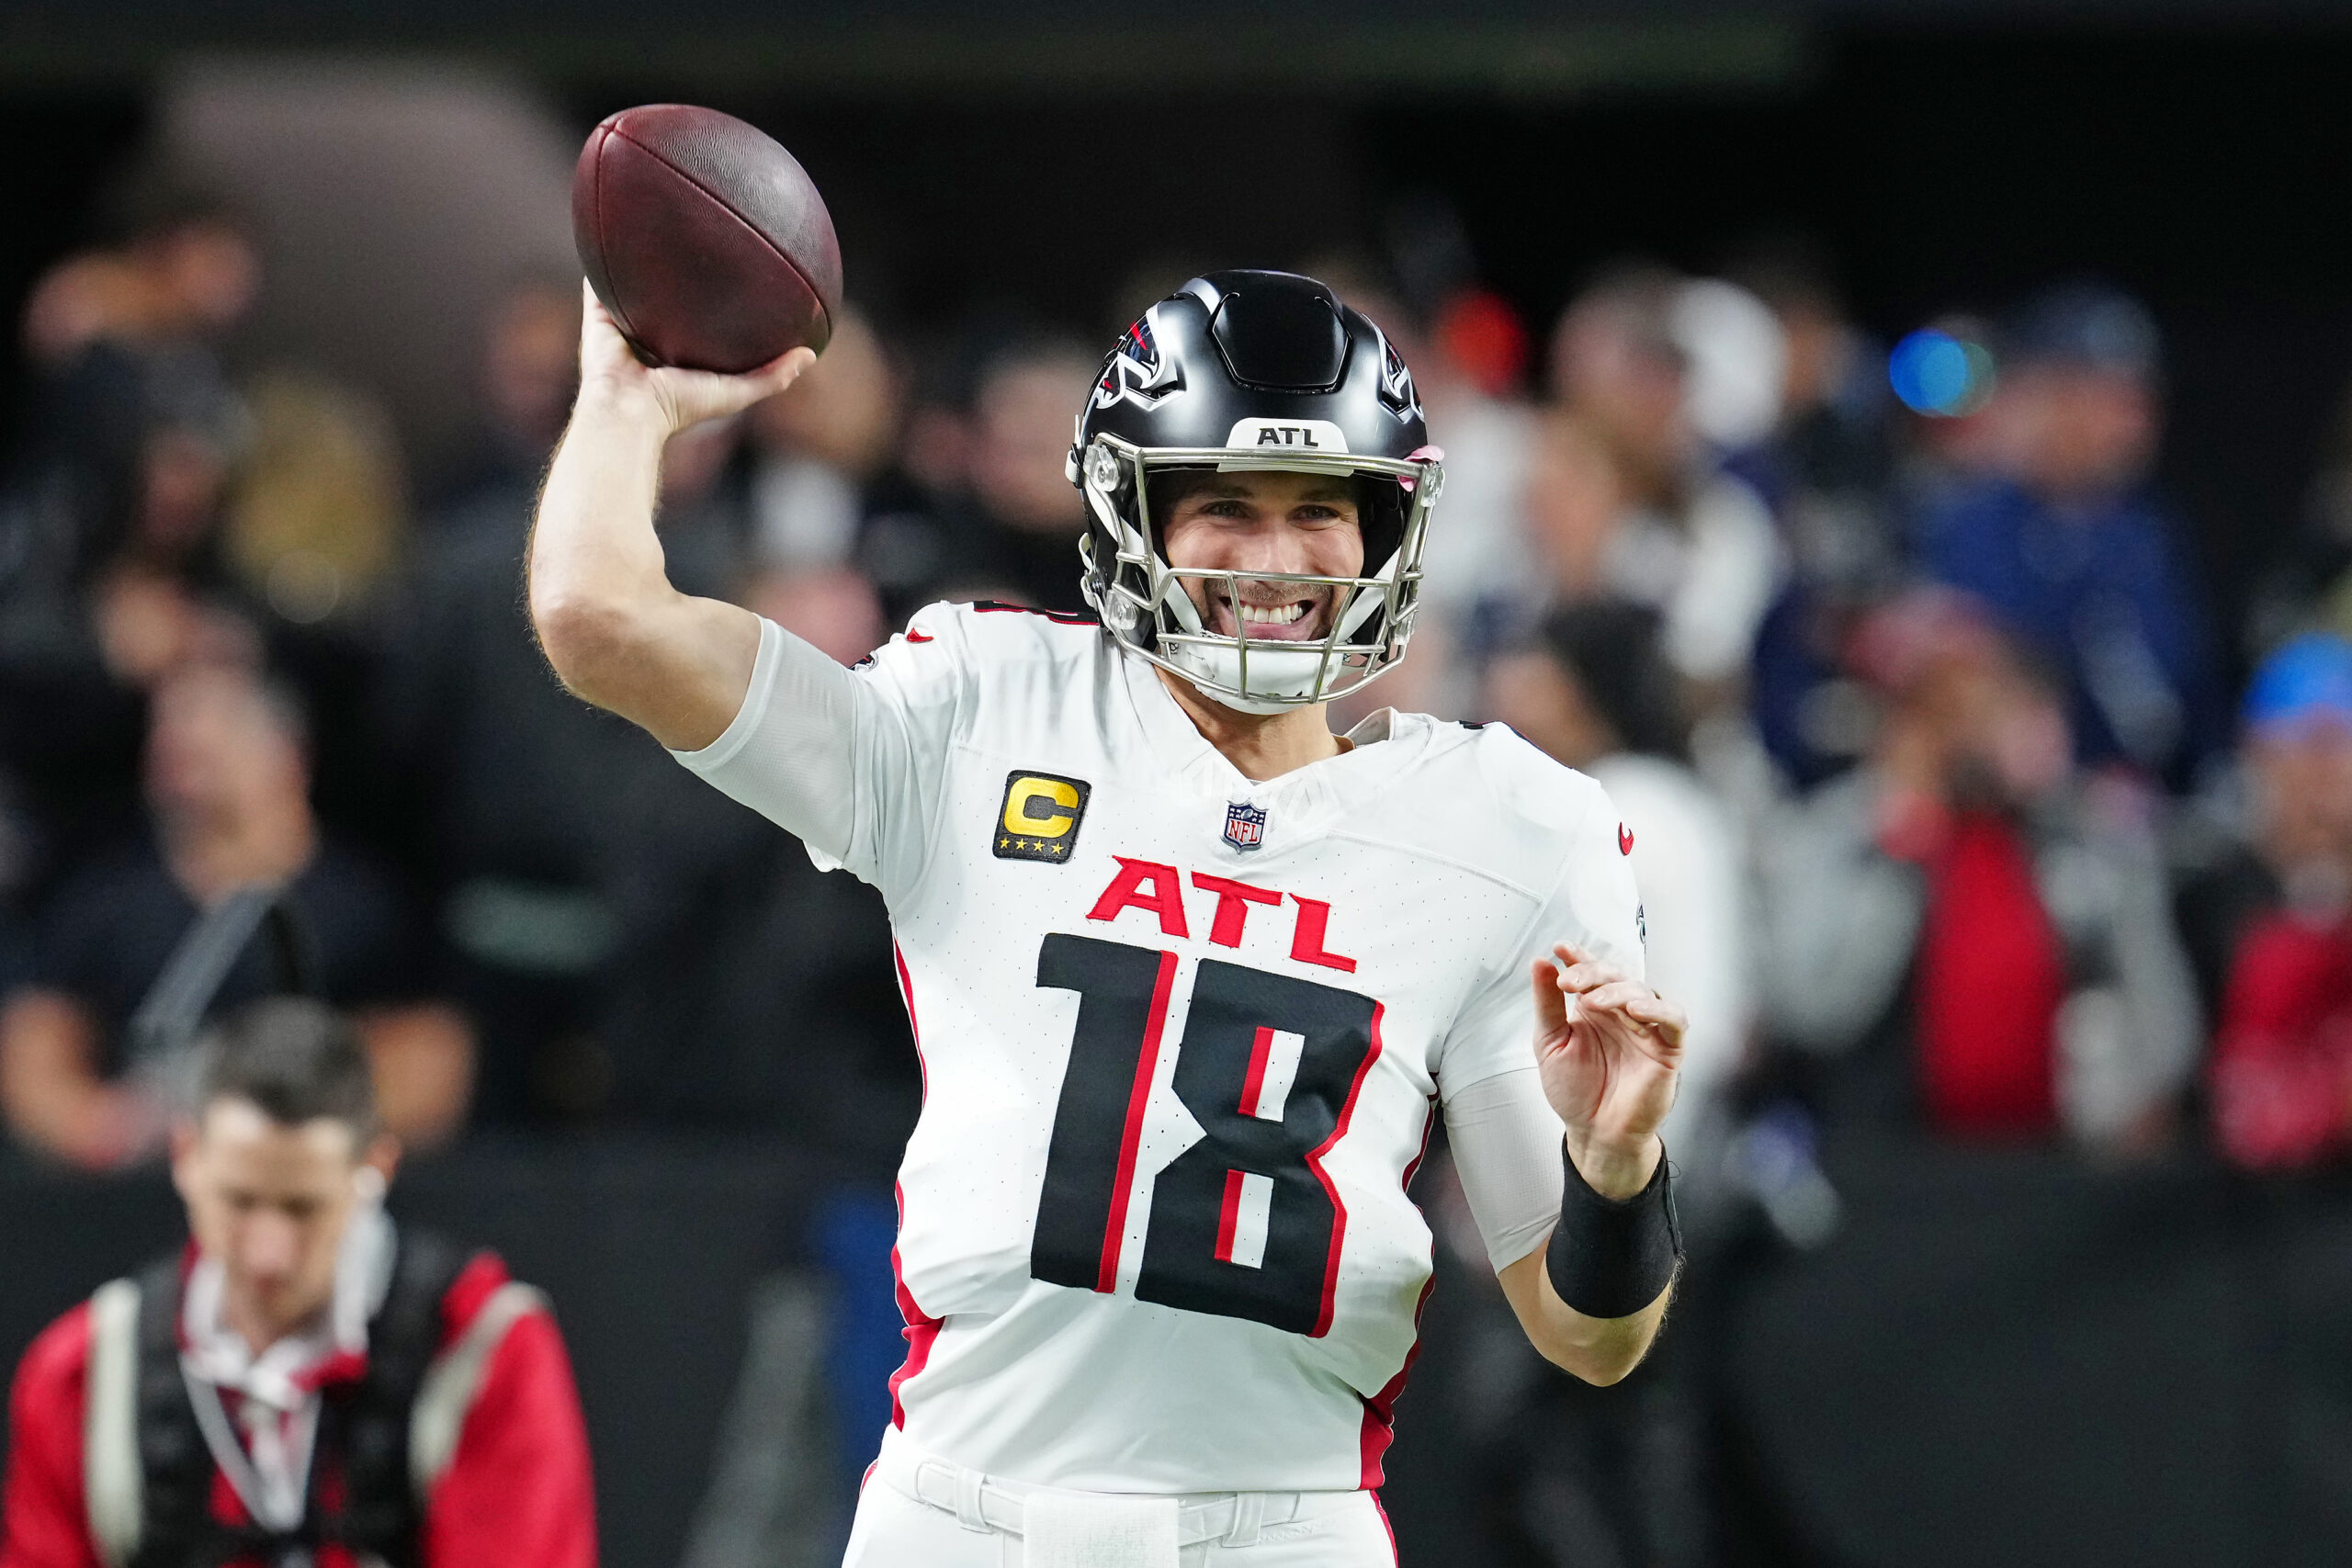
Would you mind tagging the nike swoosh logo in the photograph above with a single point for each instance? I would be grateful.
(1624, 840)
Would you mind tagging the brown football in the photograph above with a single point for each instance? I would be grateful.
(705, 239)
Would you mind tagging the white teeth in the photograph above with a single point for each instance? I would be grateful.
(1271, 615)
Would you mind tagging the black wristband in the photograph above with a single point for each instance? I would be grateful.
(1612, 1257)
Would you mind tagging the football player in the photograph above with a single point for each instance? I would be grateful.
(1189, 974)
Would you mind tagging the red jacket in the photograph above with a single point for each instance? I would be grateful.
(517, 1490)
(2283, 1057)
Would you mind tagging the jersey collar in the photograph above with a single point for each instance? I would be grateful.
(1383, 743)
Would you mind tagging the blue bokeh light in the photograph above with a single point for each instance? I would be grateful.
(1936, 373)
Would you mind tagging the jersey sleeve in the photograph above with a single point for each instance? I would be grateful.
(1592, 904)
(852, 761)
(1506, 1141)
(1504, 1134)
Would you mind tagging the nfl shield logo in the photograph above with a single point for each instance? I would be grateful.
(1245, 826)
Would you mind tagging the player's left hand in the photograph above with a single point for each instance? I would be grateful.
(1610, 1051)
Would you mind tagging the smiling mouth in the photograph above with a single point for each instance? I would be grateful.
(1269, 620)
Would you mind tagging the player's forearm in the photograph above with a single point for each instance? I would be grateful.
(613, 627)
(1598, 1349)
(597, 568)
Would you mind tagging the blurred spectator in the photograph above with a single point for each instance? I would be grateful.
(1595, 694)
(521, 794)
(1468, 371)
(2308, 581)
(1627, 500)
(1828, 471)
(825, 466)
(111, 575)
(2269, 919)
(2066, 547)
(227, 787)
(986, 512)
(1032, 515)
(530, 361)
(629, 943)
(1958, 922)
(315, 521)
(174, 264)
(318, 509)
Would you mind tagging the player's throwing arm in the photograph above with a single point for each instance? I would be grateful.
(612, 626)
(709, 241)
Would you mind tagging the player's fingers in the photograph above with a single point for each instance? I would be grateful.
(601, 347)
(1551, 1002)
(694, 395)
(1580, 974)
(781, 371)
(1655, 1009)
(1637, 1004)
(1661, 1015)
(1620, 995)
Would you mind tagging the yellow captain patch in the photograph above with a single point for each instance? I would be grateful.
(1040, 818)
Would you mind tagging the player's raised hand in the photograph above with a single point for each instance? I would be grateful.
(1609, 1050)
(681, 398)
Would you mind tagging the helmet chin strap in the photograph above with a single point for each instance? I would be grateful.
(1222, 668)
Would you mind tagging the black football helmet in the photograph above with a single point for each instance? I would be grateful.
(1255, 370)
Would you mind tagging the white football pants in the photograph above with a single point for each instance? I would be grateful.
(916, 1511)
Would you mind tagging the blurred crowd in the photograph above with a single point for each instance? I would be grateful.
(1950, 812)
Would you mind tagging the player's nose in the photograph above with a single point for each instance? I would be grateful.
(1275, 547)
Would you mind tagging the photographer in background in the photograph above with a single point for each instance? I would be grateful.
(304, 1383)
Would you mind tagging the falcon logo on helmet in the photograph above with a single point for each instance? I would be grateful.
(1255, 370)
(1133, 370)
(1396, 383)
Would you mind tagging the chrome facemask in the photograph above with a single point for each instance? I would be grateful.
(1142, 602)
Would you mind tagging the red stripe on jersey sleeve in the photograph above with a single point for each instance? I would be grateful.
(1315, 1164)
(1228, 1217)
(1115, 1228)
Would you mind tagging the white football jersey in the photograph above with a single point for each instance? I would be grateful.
(1184, 1036)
